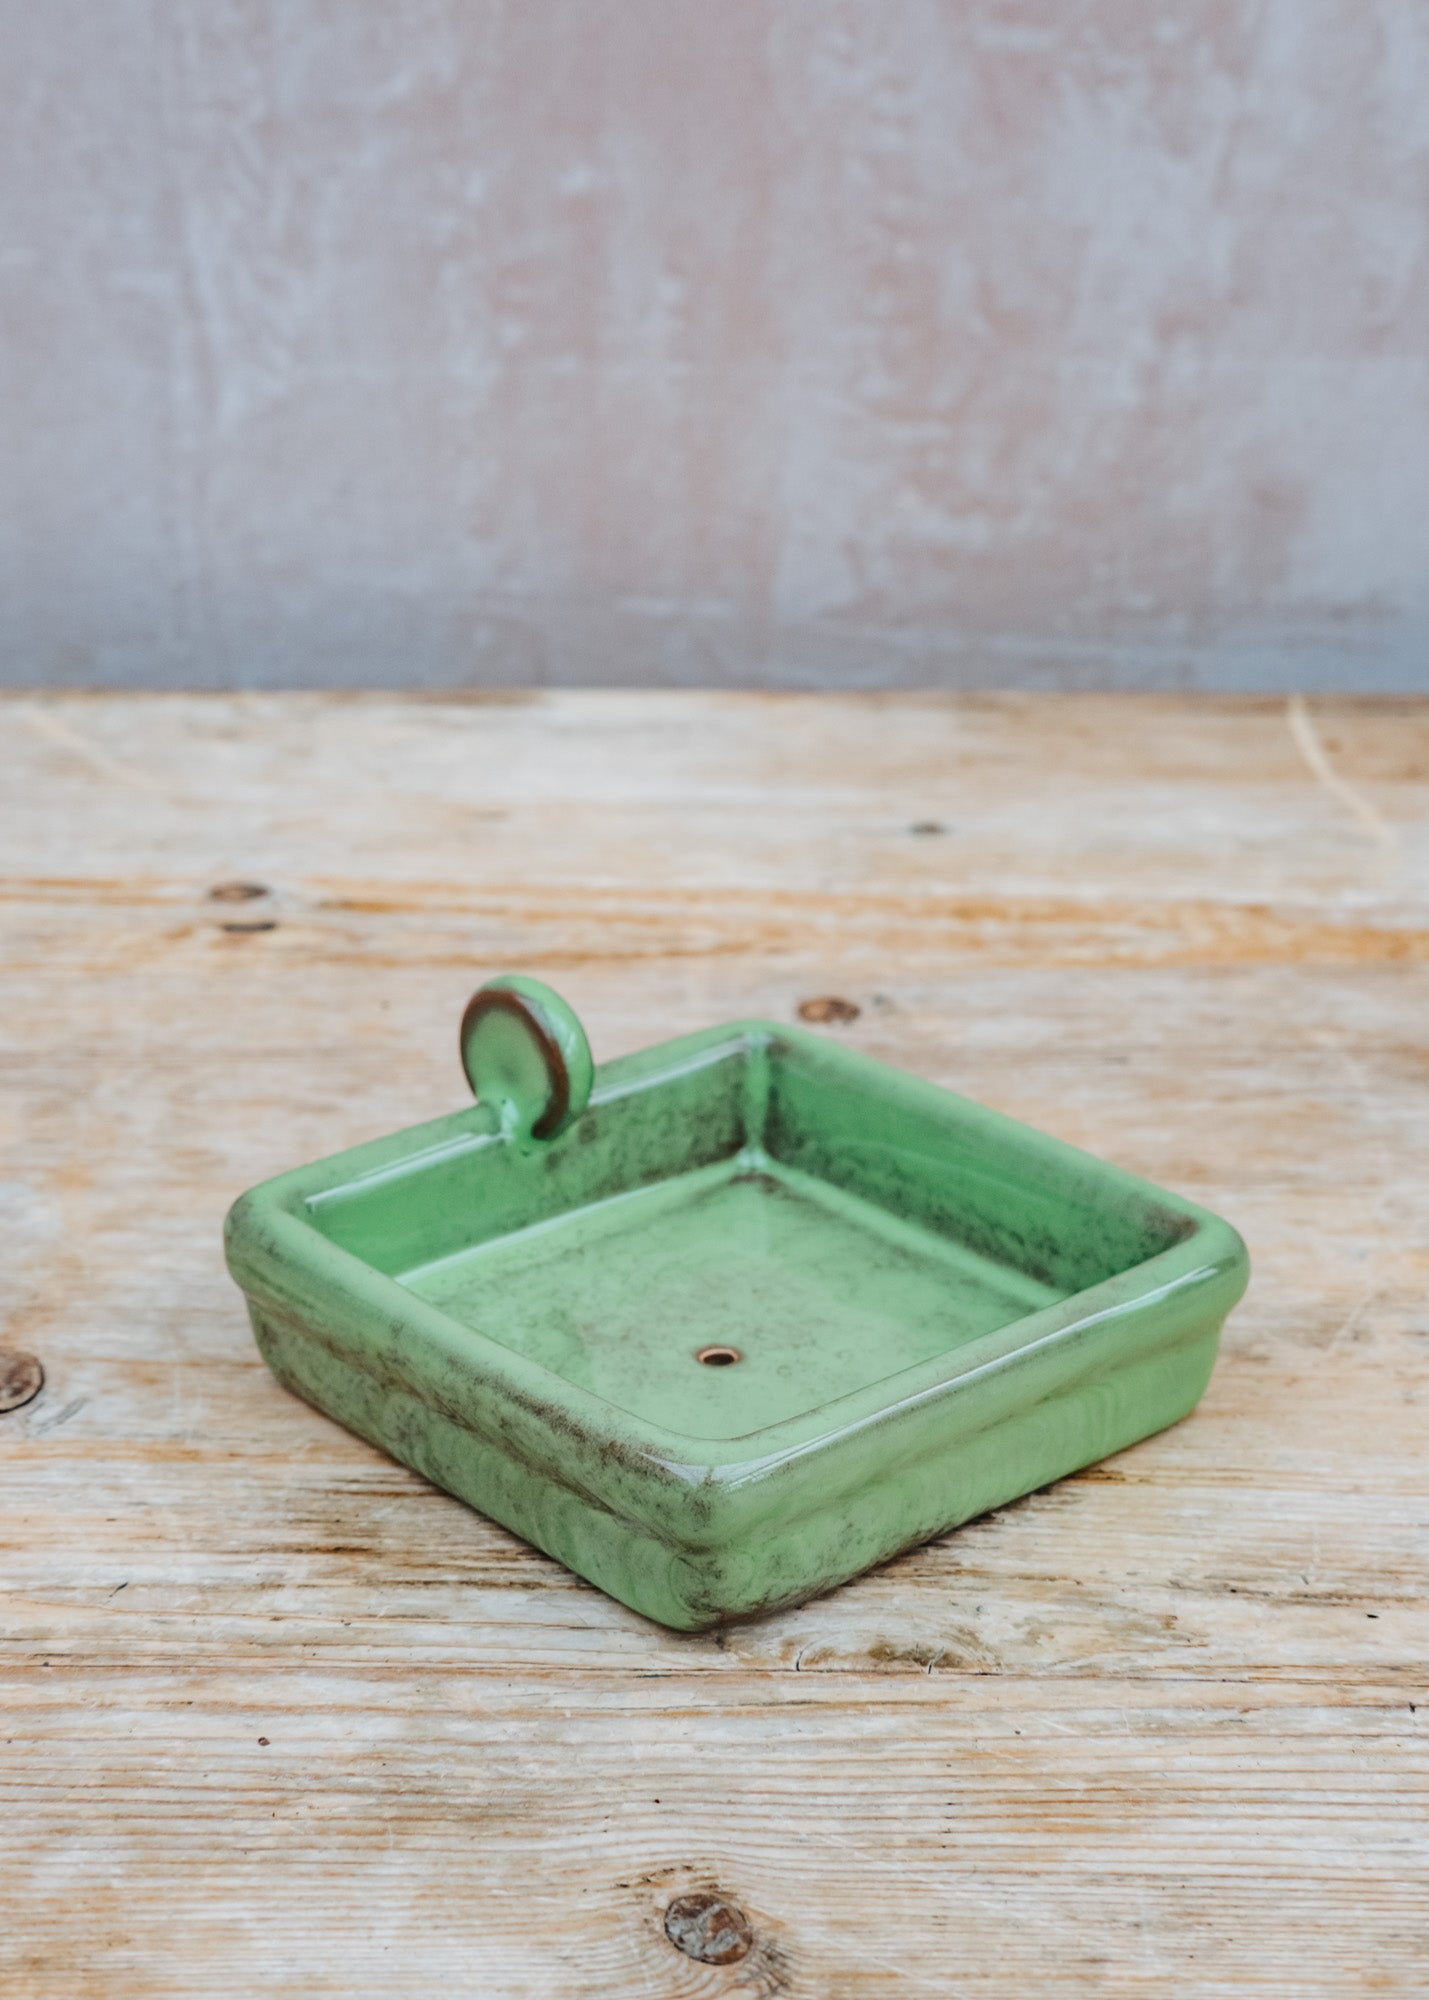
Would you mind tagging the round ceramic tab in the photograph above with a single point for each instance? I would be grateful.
(526, 1055)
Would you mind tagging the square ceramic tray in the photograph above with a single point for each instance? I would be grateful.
(722, 1324)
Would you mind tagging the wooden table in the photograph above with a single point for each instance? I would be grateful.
(282, 1720)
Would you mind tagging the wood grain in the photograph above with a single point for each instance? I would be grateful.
(281, 1720)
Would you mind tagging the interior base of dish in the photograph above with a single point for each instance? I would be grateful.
(721, 1301)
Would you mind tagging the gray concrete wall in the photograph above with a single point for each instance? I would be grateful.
(433, 342)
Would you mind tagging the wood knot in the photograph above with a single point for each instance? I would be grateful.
(237, 892)
(828, 1008)
(708, 1928)
(21, 1379)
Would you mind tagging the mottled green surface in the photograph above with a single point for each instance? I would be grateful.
(936, 1309)
(821, 1292)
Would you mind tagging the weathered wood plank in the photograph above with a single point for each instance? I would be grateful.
(1160, 1728)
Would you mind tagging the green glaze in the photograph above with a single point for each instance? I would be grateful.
(525, 1053)
(935, 1310)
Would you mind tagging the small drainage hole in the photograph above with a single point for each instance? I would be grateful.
(718, 1357)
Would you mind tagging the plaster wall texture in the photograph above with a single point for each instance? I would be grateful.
(803, 342)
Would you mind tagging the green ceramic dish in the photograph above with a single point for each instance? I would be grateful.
(721, 1324)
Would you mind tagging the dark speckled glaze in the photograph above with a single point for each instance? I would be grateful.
(761, 1314)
